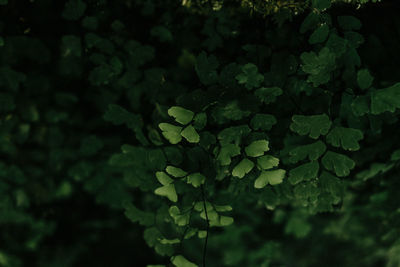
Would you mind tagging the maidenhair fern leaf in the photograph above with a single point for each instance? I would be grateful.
(304, 172)
(311, 151)
(227, 152)
(171, 132)
(181, 115)
(190, 134)
(243, 168)
(176, 172)
(257, 148)
(167, 191)
(387, 99)
(338, 163)
(180, 261)
(196, 179)
(274, 177)
(268, 95)
(250, 76)
(364, 79)
(313, 126)
(262, 122)
(347, 138)
(267, 162)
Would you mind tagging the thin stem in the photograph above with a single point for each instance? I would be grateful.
(187, 226)
(208, 226)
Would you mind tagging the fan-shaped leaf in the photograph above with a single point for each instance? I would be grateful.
(227, 152)
(250, 76)
(387, 99)
(196, 179)
(190, 134)
(167, 191)
(176, 172)
(243, 168)
(312, 151)
(314, 125)
(269, 177)
(303, 172)
(267, 162)
(171, 132)
(347, 138)
(338, 163)
(364, 79)
(257, 148)
(262, 122)
(181, 115)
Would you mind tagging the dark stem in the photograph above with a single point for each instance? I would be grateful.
(187, 226)
(208, 226)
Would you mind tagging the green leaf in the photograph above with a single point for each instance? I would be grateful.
(179, 218)
(206, 68)
(303, 172)
(312, 151)
(319, 35)
(181, 115)
(387, 99)
(337, 45)
(331, 184)
(360, 105)
(347, 138)
(338, 163)
(319, 67)
(375, 169)
(226, 112)
(313, 126)
(171, 132)
(349, 23)
(136, 215)
(395, 155)
(162, 33)
(257, 148)
(3, 2)
(176, 172)
(267, 162)
(163, 178)
(310, 22)
(196, 179)
(364, 79)
(297, 226)
(190, 134)
(233, 134)
(268, 94)
(222, 221)
(321, 4)
(118, 115)
(74, 9)
(262, 122)
(180, 261)
(227, 152)
(269, 177)
(200, 121)
(167, 191)
(243, 168)
(250, 76)
(223, 208)
(165, 241)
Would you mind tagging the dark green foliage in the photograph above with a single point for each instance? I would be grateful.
(133, 131)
